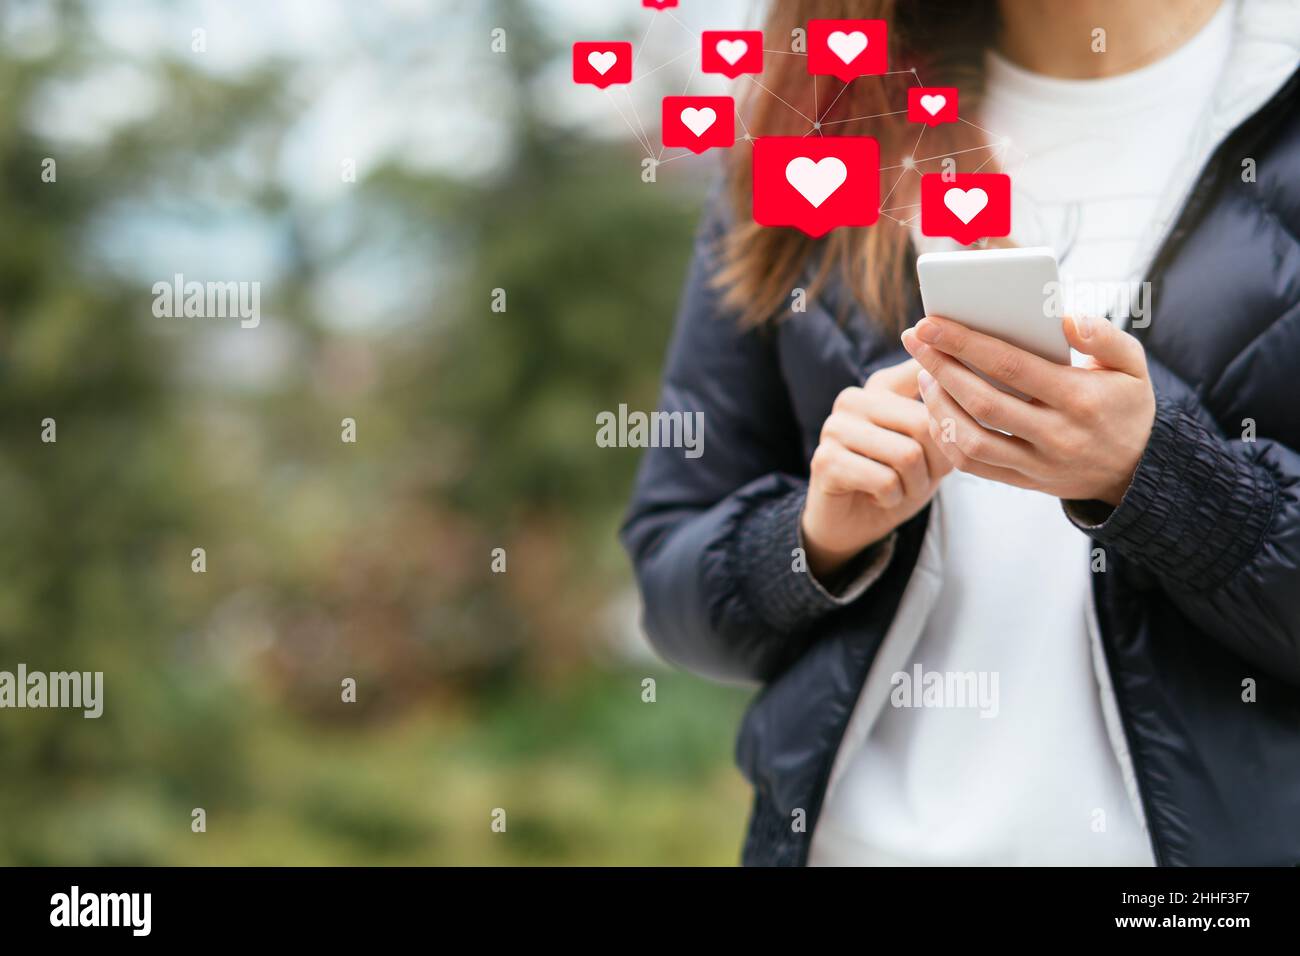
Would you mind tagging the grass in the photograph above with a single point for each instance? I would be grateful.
(585, 772)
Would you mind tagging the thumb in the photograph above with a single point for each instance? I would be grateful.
(899, 379)
(1108, 346)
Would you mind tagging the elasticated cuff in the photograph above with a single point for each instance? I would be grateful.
(1194, 512)
(782, 597)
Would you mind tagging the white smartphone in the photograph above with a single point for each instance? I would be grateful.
(1011, 294)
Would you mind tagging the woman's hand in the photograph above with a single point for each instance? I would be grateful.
(1080, 436)
(875, 467)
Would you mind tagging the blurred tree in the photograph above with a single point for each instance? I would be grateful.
(98, 523)
(325, 560)
(590, 259)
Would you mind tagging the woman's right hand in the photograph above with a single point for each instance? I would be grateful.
(875, 467)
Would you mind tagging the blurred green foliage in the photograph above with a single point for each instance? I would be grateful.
(328, 560)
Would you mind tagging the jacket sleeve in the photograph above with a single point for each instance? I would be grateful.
(1216, 520)
(713, 538)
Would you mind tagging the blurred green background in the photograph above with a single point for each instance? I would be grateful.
(213, 140)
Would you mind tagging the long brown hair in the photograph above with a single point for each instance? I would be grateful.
(943, 43)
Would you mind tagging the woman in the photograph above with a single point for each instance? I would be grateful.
(1113, 575)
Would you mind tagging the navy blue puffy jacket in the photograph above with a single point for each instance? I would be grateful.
(1203, 583)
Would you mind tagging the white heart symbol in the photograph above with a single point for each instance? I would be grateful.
(602, 61)
(816, 181)
(847, 46)
(732, 50)
(697, 121)
(965, 204)
(933, 102)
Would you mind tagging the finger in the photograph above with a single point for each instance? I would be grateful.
(1024, 371)
(845, 471)
(984, 402)
(970, 466)
(899, 451)
(1109, 347)
(899, 379)
(910, 417)
(905, 415)
(970, 438)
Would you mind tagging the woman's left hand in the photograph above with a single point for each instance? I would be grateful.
(1081, 434)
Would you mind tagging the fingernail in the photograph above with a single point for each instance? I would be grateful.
(925, 380)
(927, 331)
(1083, 325)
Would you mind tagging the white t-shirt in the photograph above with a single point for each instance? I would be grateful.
(1025, 772)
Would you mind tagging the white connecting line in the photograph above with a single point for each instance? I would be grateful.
(998, 147)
